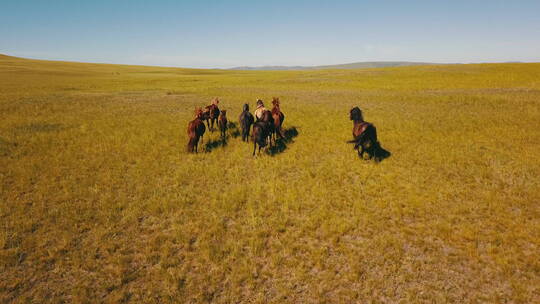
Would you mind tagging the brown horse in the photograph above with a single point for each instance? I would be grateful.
(222, 123)
(262, 131)
(196, 130)
(278, 117)
(364, 133)
(213, 115)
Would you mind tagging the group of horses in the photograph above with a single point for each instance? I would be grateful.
(268, 127)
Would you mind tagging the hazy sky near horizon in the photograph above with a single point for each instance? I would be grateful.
(236, 33)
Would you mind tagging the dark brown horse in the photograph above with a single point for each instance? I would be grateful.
(278, 117)
(246, 120)
(262, 131)
(213, 115)
(364, 133)
(222, 123)
(196, 130)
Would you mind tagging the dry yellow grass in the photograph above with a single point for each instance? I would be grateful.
(99, 201)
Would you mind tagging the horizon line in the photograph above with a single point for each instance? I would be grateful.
(291, 67)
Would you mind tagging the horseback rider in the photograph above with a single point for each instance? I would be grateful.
(260, 110)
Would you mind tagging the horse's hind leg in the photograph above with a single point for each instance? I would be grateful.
(361, 151)
(254, 147)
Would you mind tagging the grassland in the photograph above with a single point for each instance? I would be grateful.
(99, 202)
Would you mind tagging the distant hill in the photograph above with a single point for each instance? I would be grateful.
(7, 57)
(354, 65)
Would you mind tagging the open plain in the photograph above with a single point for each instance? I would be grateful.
(100, 202)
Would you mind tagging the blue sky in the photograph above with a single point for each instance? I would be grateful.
(233, 33)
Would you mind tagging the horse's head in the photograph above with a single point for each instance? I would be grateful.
(356, 114)
(198, 111)
(245, 108)
(275, 101)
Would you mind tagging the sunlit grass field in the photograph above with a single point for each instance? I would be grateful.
(100, 202)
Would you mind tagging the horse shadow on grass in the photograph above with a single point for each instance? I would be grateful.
(233, 129)
(377, 153)
(213, 144)
(281, 143)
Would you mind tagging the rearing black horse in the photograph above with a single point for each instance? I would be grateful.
(364, 133)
